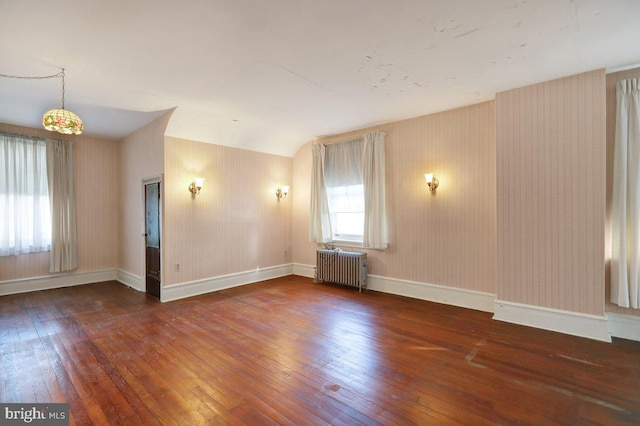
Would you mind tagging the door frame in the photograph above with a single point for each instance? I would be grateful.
(146, 181)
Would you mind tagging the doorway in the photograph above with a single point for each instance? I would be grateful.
(152, 238)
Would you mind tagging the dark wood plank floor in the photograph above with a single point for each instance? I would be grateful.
(288, 351)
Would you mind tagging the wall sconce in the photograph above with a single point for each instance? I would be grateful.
(281, 193)
(431, 180)
(196, 186)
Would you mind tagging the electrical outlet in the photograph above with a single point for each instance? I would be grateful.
(178, 266)
(285, 253)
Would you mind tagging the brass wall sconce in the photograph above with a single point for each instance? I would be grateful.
(431, 180)
(281, 193)
(196, 186)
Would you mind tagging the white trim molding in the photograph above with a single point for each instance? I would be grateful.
(463, 298)
(480, 301)
(624, 326)
(207, 285)
(48, 282)
(131, 280)
(567, 322)
(308, 271)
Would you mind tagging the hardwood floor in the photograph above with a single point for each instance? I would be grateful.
(288, 351)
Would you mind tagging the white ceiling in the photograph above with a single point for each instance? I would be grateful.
(271, 75)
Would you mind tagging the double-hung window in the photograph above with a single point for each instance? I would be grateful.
(345, 190)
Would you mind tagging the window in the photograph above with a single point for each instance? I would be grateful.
(25, 212)
(346, 206)
(345, 190)
(348, 192)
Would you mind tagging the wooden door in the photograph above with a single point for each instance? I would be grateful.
(152, 237)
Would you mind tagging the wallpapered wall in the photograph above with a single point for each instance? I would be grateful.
(236, 224)
(447, 237)
(551, 193)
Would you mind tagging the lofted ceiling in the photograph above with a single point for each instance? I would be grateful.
(271, 75)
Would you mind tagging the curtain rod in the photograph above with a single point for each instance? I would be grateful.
(341, 141)
(37, 138)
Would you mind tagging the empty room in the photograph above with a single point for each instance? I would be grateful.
(320, 212)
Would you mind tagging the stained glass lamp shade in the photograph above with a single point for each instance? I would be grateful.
(62, 121)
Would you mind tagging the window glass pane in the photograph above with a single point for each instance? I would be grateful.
(346, 204)
(348, 224)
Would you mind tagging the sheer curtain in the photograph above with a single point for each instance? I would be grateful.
(25, 218)
(625, 250)
(319, 220)
(64, 246)
(375, 219)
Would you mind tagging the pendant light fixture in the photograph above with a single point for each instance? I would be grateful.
(60, 120)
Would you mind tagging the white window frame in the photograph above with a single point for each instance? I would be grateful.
(352, 240)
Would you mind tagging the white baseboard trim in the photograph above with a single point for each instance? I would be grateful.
(567, 322)
(624, 326)
(49, 282)
(463, 298)
(434, 293)
(131, 280)
(302, 270)
(194, 288)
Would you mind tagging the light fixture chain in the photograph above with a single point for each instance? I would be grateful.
(44, 77)
(62, 72)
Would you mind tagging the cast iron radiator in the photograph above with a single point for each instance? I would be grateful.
(342, 267)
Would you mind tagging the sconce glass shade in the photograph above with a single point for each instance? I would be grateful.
(196, 186)
(62, 121)
(282, 192)
(431, 180)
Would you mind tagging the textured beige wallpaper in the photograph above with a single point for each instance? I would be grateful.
(96, 177)
(447, 237)
(551, 193)
(236, 224)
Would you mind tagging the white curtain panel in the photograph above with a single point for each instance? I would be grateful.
(25, 218)
(625, 250)
(375, 219)
(64, 246)
(320, 219)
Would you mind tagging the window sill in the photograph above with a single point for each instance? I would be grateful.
(351, 244)
(345, 243)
